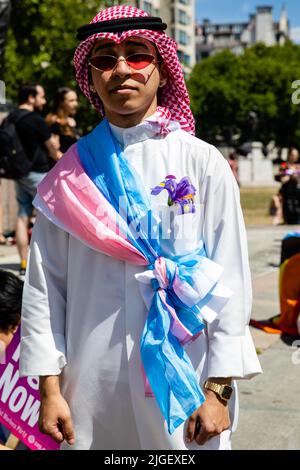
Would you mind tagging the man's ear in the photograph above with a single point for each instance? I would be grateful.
(91, 84)
(31, 99)
(163, 72)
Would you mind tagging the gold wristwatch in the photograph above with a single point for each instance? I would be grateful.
(224, 392)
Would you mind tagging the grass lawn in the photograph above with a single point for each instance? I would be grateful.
(255, 203)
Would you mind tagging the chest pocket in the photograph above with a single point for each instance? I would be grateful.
(179, 234)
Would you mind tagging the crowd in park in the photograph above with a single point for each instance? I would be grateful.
(41, 142)
(134, 286)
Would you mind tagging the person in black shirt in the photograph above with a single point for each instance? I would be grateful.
(61, 121)
(39, 145)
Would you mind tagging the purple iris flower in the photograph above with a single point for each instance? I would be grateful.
(182, 193)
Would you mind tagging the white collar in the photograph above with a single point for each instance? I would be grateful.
(143, 131)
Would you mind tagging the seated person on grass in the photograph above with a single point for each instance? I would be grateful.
(288, 320)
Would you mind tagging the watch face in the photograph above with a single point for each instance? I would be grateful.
(226, 393)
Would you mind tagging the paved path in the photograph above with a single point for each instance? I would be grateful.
(9, 258)
(269, 403)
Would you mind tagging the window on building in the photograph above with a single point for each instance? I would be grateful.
(183, 17)
(237, 29)
(173, 15)
(184, 58)
(183, 38)
(180, 55)
(148, 8)
(184, 2)
(223, 28)
(187, 59)
(210, 29)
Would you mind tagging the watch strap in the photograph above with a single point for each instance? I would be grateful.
(218, 389)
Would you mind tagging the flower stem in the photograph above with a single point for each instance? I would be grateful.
(170, 201)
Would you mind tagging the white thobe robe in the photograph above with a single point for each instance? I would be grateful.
(83, 313)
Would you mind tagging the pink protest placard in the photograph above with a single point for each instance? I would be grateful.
(20, 401)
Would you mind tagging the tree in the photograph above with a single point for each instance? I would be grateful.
(226, 90)
(5, 8)
(41, 44)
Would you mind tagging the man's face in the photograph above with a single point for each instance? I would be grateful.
(123, 90)
(39, 100)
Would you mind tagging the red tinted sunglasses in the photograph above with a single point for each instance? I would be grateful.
(106, 63)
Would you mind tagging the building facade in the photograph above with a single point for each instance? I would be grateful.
(261, 27)
(180, 18)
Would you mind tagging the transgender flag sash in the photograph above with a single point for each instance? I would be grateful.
(96, 196)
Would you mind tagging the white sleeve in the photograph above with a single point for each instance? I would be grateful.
(43, 349)
(231, 349)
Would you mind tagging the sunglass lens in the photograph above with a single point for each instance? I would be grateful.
(139, 61)
(104, 62)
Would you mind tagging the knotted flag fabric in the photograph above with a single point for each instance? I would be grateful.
(94, 194)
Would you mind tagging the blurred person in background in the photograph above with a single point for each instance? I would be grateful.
(39, 145)
(288, 320)
(288, 173)
(234, 165)
(11, 289)
(61, 121)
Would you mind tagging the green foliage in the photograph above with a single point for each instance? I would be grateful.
(225, 88)
(41, 44)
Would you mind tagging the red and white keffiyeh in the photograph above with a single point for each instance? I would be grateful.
(173, 96)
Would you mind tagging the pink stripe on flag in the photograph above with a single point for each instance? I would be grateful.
(73, 198)
(147, 386)
(160, 272)
(177, 328)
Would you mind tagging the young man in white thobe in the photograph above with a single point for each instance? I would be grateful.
(83, 311)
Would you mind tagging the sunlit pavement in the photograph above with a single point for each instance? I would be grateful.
(269, 403)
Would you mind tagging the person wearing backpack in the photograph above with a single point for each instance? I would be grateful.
(38, 144)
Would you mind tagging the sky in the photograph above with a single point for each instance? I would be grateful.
(229, 11)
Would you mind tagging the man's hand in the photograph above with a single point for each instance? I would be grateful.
(55, 416)
(208, 421)
(55, 419)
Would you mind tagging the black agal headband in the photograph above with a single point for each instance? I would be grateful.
(122, 24)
